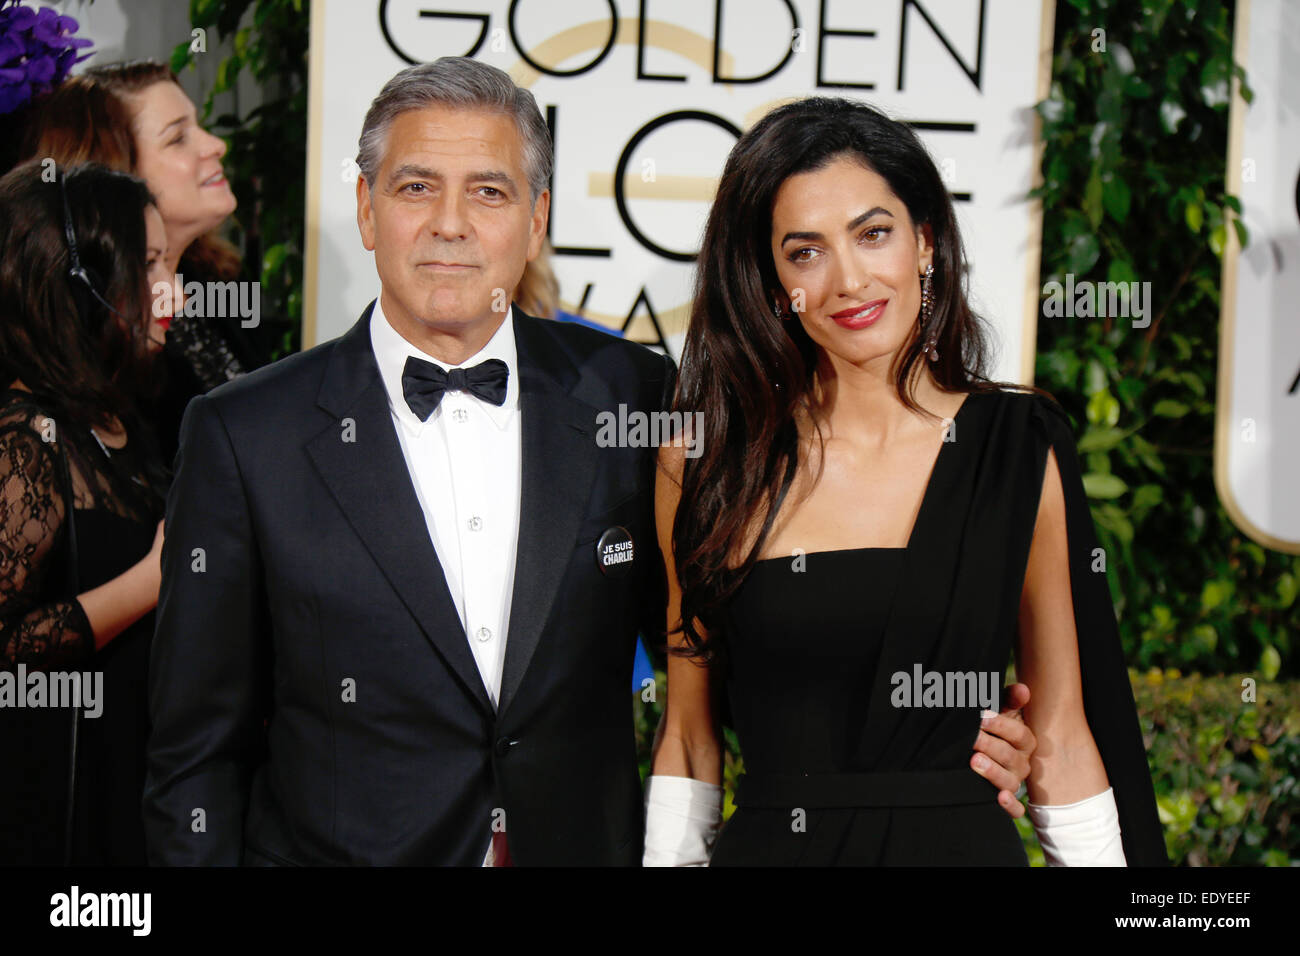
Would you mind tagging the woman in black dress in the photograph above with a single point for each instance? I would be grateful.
(872, 527)
(81, 502)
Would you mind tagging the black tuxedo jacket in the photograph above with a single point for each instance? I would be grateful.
(313, 695)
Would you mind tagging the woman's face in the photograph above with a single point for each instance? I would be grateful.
(181, 162)
(850, 261)
(162, 292)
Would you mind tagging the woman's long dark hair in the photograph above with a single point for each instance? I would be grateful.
(81, 359)
(749, 372)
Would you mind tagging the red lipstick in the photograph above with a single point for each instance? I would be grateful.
(861, 316)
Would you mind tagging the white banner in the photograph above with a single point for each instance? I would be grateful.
(654, 93)
(1257, 438)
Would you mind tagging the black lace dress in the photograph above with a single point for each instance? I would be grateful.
(56, 756)
(201, 353)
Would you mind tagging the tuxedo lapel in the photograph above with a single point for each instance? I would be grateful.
(557, 465)
(369, 479)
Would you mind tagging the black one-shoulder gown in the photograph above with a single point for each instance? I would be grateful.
(844, 764)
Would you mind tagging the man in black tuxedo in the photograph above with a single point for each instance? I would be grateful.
(354, 663)
(404, 571)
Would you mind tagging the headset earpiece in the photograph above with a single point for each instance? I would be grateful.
(76, 271)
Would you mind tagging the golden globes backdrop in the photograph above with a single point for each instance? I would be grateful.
(645, 99)
(1257, 440)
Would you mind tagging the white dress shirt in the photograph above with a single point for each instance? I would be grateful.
(464, 462)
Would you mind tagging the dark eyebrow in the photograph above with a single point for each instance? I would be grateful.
(859, 220)
(867, 215)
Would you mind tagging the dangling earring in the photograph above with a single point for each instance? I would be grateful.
(778, 311)
(927, 313)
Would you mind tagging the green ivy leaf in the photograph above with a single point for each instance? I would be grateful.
(1147, 496)
(1194, 215)
(1116, 522)
(1103, 486)
(1218, 237)
(205, 12)
(1103, 409)
(1168, 408)
(1214, 593)
(1099, 439)
(1083, 253)
(1120, 270)
(1286, 590)
(1270, 662)
(272, 261)
(180, 56)
(1095, 377)
(1193, 382)
(226, 71)
(1117, 198)
(1206, 637)
(1093, 198)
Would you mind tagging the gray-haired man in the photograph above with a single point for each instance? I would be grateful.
(385, 635)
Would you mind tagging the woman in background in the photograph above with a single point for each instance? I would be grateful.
(135, 117)
(82, 490)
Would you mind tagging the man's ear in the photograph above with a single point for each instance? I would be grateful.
(537, 225)
(365, 214)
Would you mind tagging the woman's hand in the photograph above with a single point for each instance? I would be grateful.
(118, 603)
(1003, 748)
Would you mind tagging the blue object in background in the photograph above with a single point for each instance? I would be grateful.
(562, 316)
(641, 668)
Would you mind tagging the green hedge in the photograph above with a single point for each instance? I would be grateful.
(1135, 131)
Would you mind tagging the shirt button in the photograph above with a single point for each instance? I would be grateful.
(459, 415)
(484, 634)
(475, 523)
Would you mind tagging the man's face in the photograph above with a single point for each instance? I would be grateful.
(450, 221)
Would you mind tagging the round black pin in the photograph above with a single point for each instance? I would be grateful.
(615, 552)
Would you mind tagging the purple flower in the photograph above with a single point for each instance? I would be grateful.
(37, 51)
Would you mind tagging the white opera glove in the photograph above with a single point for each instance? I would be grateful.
(682, 817)
(1085, 833)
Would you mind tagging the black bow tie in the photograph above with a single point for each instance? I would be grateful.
(423, 383)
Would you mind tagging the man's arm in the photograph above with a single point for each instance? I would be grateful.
(209, 673)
